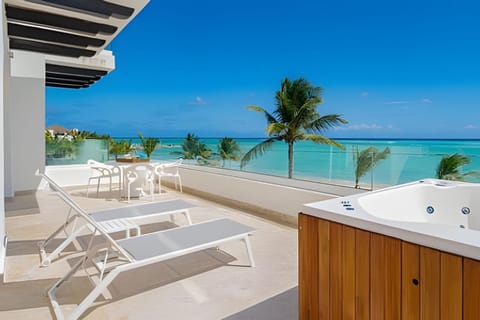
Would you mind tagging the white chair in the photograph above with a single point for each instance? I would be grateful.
(169, 170)
(101, 171)
(140, 176)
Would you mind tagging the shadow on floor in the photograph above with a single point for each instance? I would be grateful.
(133, 282)
(101, 195)
(21, 205)
(283, 306)
(24, 247)
(156, 275)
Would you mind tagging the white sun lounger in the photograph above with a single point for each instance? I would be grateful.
(112, 220)
(139, 251)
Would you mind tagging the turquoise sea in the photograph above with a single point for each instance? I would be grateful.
(409, 159)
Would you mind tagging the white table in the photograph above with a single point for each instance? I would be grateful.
(136, 186)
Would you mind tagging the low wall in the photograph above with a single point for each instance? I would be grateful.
(69, 175)
(275, 198)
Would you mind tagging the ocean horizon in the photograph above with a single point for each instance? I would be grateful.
(347, 139)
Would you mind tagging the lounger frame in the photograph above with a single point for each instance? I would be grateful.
(74, 226)
(107, 275)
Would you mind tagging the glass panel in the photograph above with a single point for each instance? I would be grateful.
(63, 152)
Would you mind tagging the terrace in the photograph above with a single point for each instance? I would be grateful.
(210, 284)
(340, 263)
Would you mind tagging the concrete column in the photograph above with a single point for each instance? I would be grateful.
(3, 84)
(25, 121)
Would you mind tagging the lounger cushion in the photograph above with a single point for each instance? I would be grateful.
(140, 211)
(183, 238)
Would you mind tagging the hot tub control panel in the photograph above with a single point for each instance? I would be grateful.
(347, 205)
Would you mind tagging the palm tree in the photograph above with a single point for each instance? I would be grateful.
(61, 148)
(450, 165)
(295, 118)
(366, 159)
(148, 144)
(120, 147)
(193, 148)
(228, 149)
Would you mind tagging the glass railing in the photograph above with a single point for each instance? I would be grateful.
(407, 161)
(340, 168)
(63, 152)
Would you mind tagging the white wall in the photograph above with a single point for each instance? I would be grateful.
(69, 175)
(25, 121)
(4, 70)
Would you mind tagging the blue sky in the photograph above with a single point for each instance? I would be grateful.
(393, 69)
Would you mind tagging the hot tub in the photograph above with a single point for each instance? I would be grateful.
(407, 252)
(427, 201)
(441, 214)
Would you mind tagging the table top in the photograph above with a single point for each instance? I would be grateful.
(128, 164)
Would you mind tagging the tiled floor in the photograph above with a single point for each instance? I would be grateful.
(209, 284)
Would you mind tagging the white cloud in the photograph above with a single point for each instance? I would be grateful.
(198, 101)
(423, 100)
(397, 102)
(470, 126)
(364, 94)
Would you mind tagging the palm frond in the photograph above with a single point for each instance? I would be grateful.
(381, 155)
(257, 150)
(276, 129)
(229, 149)
(326, 122)
(475, 174)
(268, 116)
(193, 147)
(320, 140)
(450, 165)
(305, 114)
(283, 111)
(366, 159)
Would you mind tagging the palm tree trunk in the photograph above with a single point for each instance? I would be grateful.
(290, 160)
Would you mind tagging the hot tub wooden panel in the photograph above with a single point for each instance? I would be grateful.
(349, 273)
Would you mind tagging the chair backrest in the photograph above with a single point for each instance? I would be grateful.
(91, 162)
(94, 163)
(135, 171)
(62, 194)
(170, 166)
(101, 171)
(175, 163)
